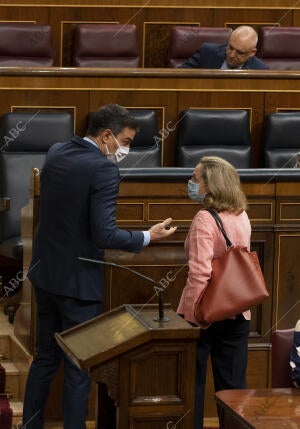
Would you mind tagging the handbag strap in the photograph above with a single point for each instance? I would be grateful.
(220, 226)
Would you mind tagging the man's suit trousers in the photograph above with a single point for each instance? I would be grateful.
(57, 313)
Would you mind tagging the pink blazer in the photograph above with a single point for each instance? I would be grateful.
(204, 243)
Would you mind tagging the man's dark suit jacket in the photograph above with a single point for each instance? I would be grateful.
(212, 56)
(79, 189)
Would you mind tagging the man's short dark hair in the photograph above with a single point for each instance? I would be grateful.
(111, 116)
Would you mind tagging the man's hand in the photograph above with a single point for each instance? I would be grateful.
(162, 230)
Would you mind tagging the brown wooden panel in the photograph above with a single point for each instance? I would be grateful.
(127, 288)
(169, 386)
(75, 102)
(287, 272)
(252, 16)
(289, 212)
(156, 39)
(204, 3)
(169, 274)
(163, 363)
(149, 422)
(281, 102)
(38, 15)
(156, 42)
(296, 18)
(258, 368)
(255, 190)
(154, 190)
(261, 211)
(130, 212)
(153, 19)
(210, 409)
(154, 100)
(287, 189)
(263, 243)
(183, 212)
(287, 208)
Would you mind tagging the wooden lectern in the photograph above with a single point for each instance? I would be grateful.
(147, 366)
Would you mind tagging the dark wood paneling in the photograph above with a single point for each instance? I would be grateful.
(167, 92)
(160, 363)
(282, 102)
(169, 388)
(261, 211)
(287, 273)
(263, 243)
(75, 102)
(289, 211)
(130, 212)
(164, 264)
(253, 16)
(149, 422)
(153, 19)
(180, 212)
(275, 240)
(273, 206)
(258, 367)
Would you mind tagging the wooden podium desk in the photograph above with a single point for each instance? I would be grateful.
(147, 365)
(259, 408)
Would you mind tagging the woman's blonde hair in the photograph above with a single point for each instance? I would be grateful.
(224, 191)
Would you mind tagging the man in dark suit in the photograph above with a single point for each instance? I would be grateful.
(79, 189)
(239, 53)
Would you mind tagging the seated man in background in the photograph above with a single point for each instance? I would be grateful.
(239, 53)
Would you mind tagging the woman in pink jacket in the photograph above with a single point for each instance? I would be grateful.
(215, 183)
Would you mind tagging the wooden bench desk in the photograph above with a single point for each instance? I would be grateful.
(259, 408)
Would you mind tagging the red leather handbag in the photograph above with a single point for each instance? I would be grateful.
(236, 283)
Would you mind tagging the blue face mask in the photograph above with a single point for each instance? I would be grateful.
(193, 192)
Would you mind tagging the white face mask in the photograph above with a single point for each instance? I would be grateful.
(120, 154)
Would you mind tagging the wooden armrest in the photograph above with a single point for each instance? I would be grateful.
(4, 204)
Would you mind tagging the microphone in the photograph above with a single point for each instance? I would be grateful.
(161, 316)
